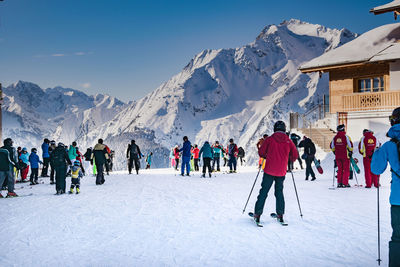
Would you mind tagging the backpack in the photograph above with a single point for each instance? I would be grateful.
(58, 157)
(75, 174)
(231, 149)
(241, 152)
(133, 149)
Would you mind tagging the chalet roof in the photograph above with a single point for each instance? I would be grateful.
(379, 44)
(389, 7)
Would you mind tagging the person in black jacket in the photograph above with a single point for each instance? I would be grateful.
(60, 160)
(308, 156)
(99, 156)
(133, 154)
(52, 147)
(295, 139)
(8, 160)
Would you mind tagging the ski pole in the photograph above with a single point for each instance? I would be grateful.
(333, 177)
(354, 172)
(297, 196)
(251, 191)
(379, 228)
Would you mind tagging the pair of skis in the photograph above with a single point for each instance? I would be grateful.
(273, 215)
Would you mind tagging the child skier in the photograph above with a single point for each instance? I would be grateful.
(24, 163)
(34, 161)
(148, 160)
(76, 175)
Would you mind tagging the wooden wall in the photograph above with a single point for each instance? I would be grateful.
(343, 81)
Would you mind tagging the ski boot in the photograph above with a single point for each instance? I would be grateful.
(52, 182)
(77, 190)
(71, 191)
(11, 194)
(209, 175)
(313, 179)
(346, 186)
(340, 185)
(203, 175)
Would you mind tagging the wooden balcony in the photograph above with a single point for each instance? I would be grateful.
(385, 100)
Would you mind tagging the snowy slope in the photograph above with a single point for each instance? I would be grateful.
(31, 113)
(159, 219)
(234, 93)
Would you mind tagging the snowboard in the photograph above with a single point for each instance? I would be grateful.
(251, 214)
(318, 166)
(354, 165)
(273, 215)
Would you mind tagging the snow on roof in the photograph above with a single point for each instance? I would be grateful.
(386, 8)
(375, 44)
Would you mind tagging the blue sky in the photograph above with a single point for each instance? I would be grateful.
(128, 48)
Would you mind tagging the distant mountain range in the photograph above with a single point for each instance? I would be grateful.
(227, 93)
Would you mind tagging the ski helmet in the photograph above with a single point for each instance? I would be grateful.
(24, 149)
(395, 117)
(366, 131)
(53, 142)
(33, 150)
(77, 163)
(279, 126)
(340, 128)
(60, 144)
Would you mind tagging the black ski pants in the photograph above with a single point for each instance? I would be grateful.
(134, 161)
(100, 174)
(52, 174)
(61, 174)
(46, 162)
(34, 174)
(176, 163)
(207, 164)
(266, 184)
(215, 160)
(232, 163)
(309, 170)
(394, 244)
(196, 164)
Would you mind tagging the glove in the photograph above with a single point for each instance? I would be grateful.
(350, 154)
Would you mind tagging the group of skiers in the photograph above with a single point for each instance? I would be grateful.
(64, 161)
(189, 156)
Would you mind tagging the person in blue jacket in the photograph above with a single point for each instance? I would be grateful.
(207, 152)
(46, 157)
(186, 154)
(389, 152)
(34, 161)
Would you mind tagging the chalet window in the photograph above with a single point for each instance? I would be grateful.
(375, 84)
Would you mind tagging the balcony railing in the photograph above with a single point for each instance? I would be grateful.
(371, 101)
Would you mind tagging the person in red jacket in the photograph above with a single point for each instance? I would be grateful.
(277, 150)
(195, 152)
(342, 147)
(366, 147)
(177, 156)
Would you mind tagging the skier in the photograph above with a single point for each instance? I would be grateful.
(277, 150)
(59, 159)
(72, 152)
(366, 147)
(76, 175)
(389, 152)
(52, 147)
(34, 161)
(8, 160)
(342, 147)
(148, 160)
(46, 157)
(196, 157)
(217, 150)
(108, 160)
(87, 158)
(185, 156)
(232, 153)
(99, 156)
(207, 152)
(177, 156)
(241, 154)
(24, 162)
(308, 156)
(295, 138)
(79, 158)
(172, 157)
(133, 154)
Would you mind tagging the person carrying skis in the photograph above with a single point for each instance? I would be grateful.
(342, 147)
(232, 153)
(46, 157)
(185, 156)
(34, 161)
(99, 156)
(133, 154)
(8, 160)
(277, 150)
(389, 152)
(366, 147)
(295, 139)
(309, 154)
(76, 175)
(207, 152)
(148, 160)
(60, 160)
(217, 150)
(196, 157)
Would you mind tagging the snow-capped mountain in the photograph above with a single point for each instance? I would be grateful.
(233, 93)
(31, 113)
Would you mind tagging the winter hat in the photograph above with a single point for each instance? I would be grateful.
(265, 135)
(185, 138)
(340, 128)
(25, 149)
(279, 126)
(77, 163)
(365, 131)
(33, 150)
(74, 143)
(217, 142)
(60, 144)
(100, 141)
(395, 117)
(132, 142)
